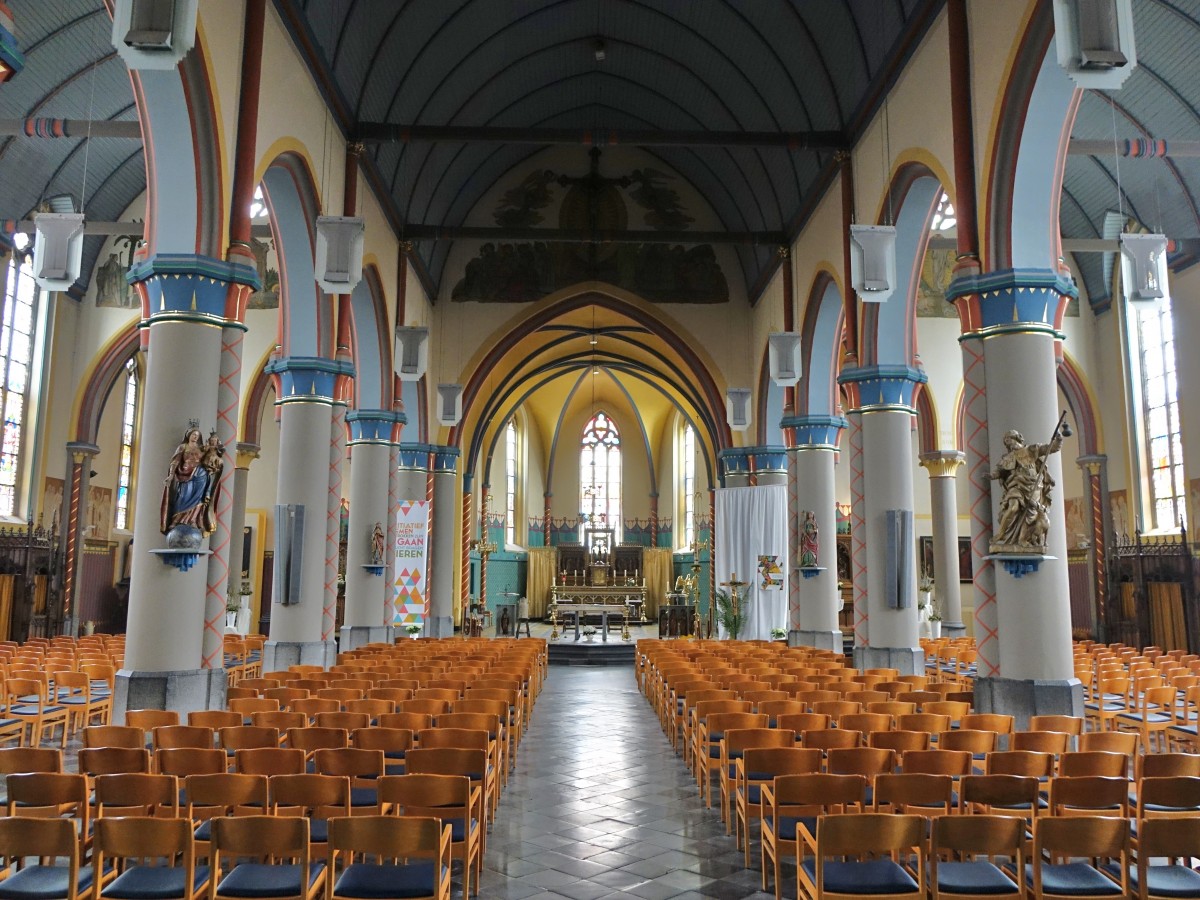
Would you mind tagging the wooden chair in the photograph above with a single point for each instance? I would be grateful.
(1178, 842)
(978, 743)
(312, 739)
(349, 721)
(733, 746)
(137, 794)
(412, 858)
(394, 743)
(214, 719)
(1123, 742)
(292, 875)
(149, 719)
(364, 768)
(919, 793)
(900, 742)
(26, 701)
(185, 761)
(317, 798)
(1079, 838)
(150, 857)
(94, 761)
(760, 766)
(114, 736)
(451, 798)
(270, 761)
(74, 691)
(961, 841)
(19, 760)
(282, 721)
(831, 874)
(471, 763)
(42, 839)
(221, 794)
(789, 802)
(1089, 795)
(1094, 762)
(174, 737)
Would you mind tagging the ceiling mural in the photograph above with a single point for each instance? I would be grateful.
(522, 272)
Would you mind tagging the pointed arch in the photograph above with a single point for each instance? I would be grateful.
(105, 371)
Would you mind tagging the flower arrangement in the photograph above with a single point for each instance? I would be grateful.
(778, 633)
(934, 614)
(589, 629)
(925, 584)
(413, 629)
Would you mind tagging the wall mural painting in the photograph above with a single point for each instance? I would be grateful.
(268, 274)
(112, 290)
(1119, 508)
(521, 272)
(52, 501)
(937, 271)
(1078, 530)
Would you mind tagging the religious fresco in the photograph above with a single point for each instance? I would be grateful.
(522, 272)
(1078, 530)
(268, 274)
(937, 271)
(1119, 509)
(112, 290)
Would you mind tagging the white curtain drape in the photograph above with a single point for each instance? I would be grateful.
(752, 522)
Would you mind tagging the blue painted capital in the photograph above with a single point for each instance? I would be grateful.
(815, 431)
(753, 460)
(372, 426)
(415, 457)
(445, 459)
(189, 288)
(308, 379)
(884, 387)
(1012, 300)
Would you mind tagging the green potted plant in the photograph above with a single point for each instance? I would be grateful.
(413, 630)
(730, 624)
(779, 634)
(589, 632)
(935, 622)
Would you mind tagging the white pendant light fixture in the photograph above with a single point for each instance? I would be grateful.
(449, 403)
(737, 408)
(57, 249)
(338, 259)
(783, 357)
(873, 261)
(154, 34)
(412, 352)
(1144, 266)
(1094, 43)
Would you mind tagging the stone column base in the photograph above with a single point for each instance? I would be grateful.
(954, 629)
(278, 655)
(906, 660)
(1021, 699)
(439, 627)
(355, 636)
(821, 640)
(187, 691)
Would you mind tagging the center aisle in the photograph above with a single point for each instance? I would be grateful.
(601, 807)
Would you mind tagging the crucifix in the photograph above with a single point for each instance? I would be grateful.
(484, 548)
(593, 184)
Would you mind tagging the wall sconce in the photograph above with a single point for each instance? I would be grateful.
(154, 34)
(737, 408)
(449, 403)
(338, 258)
(412, 352)
(1144, 266)
(873, 261)
(783, 357)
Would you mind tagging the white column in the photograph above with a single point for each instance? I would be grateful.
(246, 454)
(371, 451)
(443, 556)
(306, 402)
(943, 496)
(184, 300)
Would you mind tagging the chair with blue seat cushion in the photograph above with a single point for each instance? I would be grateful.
(1181, 734)
(411, 858)
(364, 768)
(246, 707)
(59, 794)
(757, 767)
(96, 761)
(74, 691)
(19, 760)
(1089, 795)
(914, 792)
(454, 761)
(393, 742)
(790, 807)
(221, 794)
(247, 737)
(114, 736)
(962, 840)
(856, 856)
(290, 874)
(492, 723)
(733, 747)
(1095, 762)
(55, 838)
(175, 737)
(1166, 797)
(1177, 841)
(152, 859)
(454, 800)
(699, 705)
(136, 794)
(1104, 839)
(1151, 716)
(27, 701)
(317, 798)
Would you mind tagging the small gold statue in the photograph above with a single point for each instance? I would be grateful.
(1026, 484)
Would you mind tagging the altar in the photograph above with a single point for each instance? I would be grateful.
(628, 601)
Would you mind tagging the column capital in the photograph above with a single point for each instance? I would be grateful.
(414, 457)
(246, 454)
(883, 387)
(372, 426)
(444, 460)
(81, 451)
(814, 432)
(186, 287)
(753, 460)
(1011, 300)
(1093, 464)
(942, 463)
(308, 379)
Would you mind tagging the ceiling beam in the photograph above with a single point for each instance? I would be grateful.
(129, 129)
(387, 133)
(1138, 148)
(585, 236)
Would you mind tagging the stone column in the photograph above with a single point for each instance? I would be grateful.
(74, 527)
(306, 400)
(246, 454)
(333, 492)
(412, 474)
(389, 576)
(943, 468)
(819, 600)
(1015, 315)
(185, 302)
(858, 523)
(885, 404)
(371, 451)
(441, 589)
(735, 463)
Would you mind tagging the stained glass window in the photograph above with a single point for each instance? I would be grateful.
(510, 483)
(128, 421)
(689, 485)
(1160, 412)
(600, 475)
(16, 353)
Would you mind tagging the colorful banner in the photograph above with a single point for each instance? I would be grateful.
(411, 566)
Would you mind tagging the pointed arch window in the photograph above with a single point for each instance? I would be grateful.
(128, 422)
(1163, 443)
(688, 484)
(16, 365)
(600, 475)
(510, 483)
